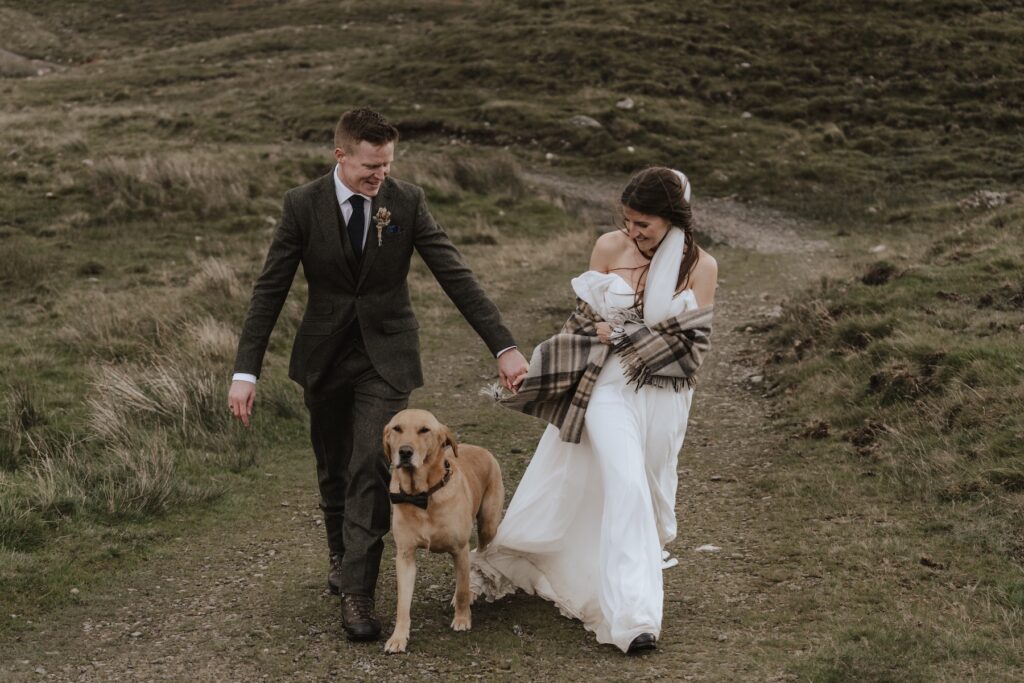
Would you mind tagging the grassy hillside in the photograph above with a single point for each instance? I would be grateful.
(863, 96)
(141, 177)
(902, 389)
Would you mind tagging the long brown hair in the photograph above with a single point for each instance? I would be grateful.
(658, 191)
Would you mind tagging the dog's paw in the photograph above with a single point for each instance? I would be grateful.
(396, 644)
(462, 622)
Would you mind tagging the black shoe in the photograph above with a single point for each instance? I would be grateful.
(334, 575)
(644, 642)
(358, 618)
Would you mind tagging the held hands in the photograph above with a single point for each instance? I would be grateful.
(240, 399)
(512, 369)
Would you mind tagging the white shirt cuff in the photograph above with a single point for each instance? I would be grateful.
(244, 376)
(504, 350)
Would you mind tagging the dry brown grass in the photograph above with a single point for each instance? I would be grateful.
(203, 183)
(158, 381)
(136, 324)
(493, 174)
(21, 268)
(215, 280)
(20, 413)
(140, 478)
(28, 35)
(172, 393)
(142, 416)
(213, 339)
(117, 325)
(53, 482)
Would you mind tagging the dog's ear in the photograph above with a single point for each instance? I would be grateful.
(449, 440)
(387, 443)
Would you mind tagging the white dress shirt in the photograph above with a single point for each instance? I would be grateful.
(343, 194)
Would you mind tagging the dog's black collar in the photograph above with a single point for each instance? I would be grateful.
(420, 500)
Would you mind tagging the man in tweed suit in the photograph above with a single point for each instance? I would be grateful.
(356, 354)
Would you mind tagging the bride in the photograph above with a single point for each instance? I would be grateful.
(588, 525)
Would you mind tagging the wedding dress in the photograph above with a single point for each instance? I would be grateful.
(588, 522)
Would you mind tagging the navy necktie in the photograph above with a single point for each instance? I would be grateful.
(356, 224)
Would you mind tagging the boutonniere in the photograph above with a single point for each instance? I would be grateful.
(381, 218)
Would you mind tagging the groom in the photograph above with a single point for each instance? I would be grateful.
(356, 354)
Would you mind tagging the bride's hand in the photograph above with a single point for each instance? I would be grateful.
(604, 332)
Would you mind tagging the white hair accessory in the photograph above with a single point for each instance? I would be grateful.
(686, 183)
(664, 270)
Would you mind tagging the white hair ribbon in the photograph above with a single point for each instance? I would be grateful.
(686, 184)
(664, 271)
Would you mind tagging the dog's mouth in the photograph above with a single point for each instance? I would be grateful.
(405, 465)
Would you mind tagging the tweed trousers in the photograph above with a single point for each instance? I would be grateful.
(347, 419)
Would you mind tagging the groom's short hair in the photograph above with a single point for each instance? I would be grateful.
(357, 125)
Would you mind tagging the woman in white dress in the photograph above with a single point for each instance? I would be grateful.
(589, 521)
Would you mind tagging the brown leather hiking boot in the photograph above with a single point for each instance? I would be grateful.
(358, 618)
(334, 574)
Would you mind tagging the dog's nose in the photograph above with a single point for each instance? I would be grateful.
(405, 452)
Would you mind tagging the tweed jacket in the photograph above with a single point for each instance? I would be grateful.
(371, 292)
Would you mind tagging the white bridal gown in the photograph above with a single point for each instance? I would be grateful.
(586, 527)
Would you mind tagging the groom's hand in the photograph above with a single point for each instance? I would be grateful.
(240, 399)
(512, 369)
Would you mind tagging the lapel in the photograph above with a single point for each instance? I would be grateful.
(329, 220)
(371, 249)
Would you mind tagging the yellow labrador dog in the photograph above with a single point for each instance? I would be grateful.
(437, 488)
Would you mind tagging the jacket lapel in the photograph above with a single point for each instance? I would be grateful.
(370, 252)
(329, 220)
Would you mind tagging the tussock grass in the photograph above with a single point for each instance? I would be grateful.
(29, 35)
(215, 278)
(171, 393)
(65, 477)
(52, 484)
(140, 478)
(485, 199)
(149, 421)
(479, 232)
(203, 184)
(131, 325)
(156, 428)
(451, 176)
(22, 268)
(216, 288)
(116, 325)
(21, 528)
(20, 414)
(212, 338)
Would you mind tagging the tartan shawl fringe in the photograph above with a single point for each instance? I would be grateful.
(668, 354)
(564, 368)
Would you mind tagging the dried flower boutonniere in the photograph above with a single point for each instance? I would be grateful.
(381, 219)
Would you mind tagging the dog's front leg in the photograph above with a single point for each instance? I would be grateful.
(405, 566)
(463, 619)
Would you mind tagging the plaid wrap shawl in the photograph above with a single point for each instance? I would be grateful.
(564, 368)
